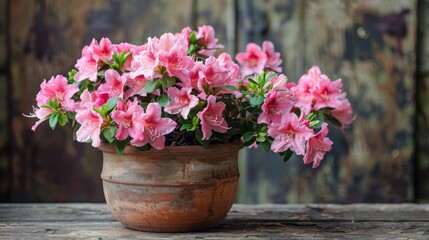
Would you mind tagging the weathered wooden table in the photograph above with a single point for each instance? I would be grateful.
(316, 221)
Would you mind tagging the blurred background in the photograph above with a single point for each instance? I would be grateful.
(379, 48)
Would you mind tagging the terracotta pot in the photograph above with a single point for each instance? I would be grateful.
(177, 189)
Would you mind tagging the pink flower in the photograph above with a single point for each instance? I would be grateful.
(57, 88)
(206, 38)
(87, 67)
(102, 51)
(327, 93)
(169, 52)
(275, 105)
(91, 123)
(150, 128)
(135, 85)
(290, 133)
(317, 146)
(253, 60)
(343, 113)
(114, 86)
(212, 119)
(41, 114)
(180, 101)
(123, 116)
(274, 60)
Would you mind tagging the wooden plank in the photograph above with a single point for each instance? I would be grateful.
(47, 38)
(352, 40)
(60, 221)
(422, 128)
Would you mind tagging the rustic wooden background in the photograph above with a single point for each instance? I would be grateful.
(379, 48)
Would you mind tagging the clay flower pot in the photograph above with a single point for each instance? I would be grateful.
(177, 189)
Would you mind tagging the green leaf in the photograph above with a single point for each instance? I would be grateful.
(256, 100)
(199, 136)
(286, 155)
(188, 127)
(109, 133)
(167, 82)
(53, 103)
(163, 99)
(261, 79)
(144, 148)
(71, 76)
(228, 87)
(53, 120)
(334, 121)
(111, 103)
(120, 146)
(260, 139)
(266, 145)
(151, 86)
(314, 123)
(63, 119)
(193, 38)
(248, 136)
(192, 49)
(252, 81)
(99, 111)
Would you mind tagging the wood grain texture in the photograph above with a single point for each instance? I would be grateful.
(93, 221)
(46, 39)
(422, 128)
(370, 45)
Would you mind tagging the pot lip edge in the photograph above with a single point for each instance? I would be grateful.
(110, 148)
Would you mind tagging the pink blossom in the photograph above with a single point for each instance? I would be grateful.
(206, 38)
(184, 34)
(41, 114)
(135, 85)
(123, 117)
(278, 82)
(328, 93)
(57, 88)
(275, 105)
(343, 113)
(129, 48)
(150, 128)
(274, 60)
(290, 133)
(90, 129)
(87, 69)
(102, 51)
(317, 146)
(114, 86)
(169, 52)
(91, 99)
(212, 119)
(181, 101)
(253, 60)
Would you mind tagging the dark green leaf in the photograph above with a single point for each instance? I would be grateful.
(286, 155)
(199, 136)
(260, 139)
(193, 38)
(144, 148)
(248, 136)
(266, 145)
(120, 146)
(228, 87)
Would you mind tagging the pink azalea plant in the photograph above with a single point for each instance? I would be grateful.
(174, 90)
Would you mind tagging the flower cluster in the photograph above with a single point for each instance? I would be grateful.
(174, 90)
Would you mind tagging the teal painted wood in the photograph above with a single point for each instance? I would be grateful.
(370, 45)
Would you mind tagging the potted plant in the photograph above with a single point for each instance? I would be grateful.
(170, 117)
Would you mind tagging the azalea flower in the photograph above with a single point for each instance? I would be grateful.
(275, 105)
(181, 101)
(206, 38)
(317, 146)
(343, 113)
(212, 119)
(274, 60)
(57, 88)
(114, 86)
(150, 128)
(90, 129)
(123, 116)
(253, 60)
(290, 133)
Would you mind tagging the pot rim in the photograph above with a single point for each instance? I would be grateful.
(130, 150)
